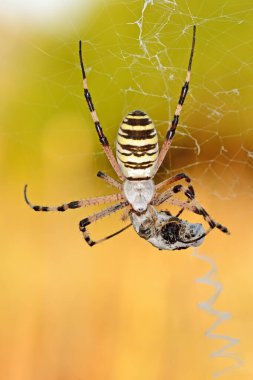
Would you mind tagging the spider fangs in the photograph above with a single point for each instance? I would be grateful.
(138, 160)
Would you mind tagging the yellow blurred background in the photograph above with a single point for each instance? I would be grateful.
(122, 310)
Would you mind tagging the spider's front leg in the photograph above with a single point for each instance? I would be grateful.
(187, 191)
(192, 205)
(173, 179)
(176, 178)
(101, 214)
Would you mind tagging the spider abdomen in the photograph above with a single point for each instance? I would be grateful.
(137, 146)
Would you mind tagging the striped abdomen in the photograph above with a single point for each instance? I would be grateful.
(137, 146)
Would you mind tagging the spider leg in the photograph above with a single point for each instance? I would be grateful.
(175, 178)
(180, 211)
(188, 191)
(109, 180)
(194, 206)
(91, 242)
(125, 214)
(170, 180)
(174, 123)
(75, 204)
(99, 215)
(101, 136)
(199, 238)
(198, 209)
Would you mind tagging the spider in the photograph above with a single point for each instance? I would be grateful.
(137, 162)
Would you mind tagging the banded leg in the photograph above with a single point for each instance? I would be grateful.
(101, 136)
(199, 238)
(174, 123)
(160, 198)
(99, 215)
(177, 177)
(195, 207)
(125, 214)
(91, 242)
(75, 204)
(170, 180)
(109, 180)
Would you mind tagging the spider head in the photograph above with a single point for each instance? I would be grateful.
(139, 193)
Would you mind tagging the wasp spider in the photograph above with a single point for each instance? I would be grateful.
(136, 163)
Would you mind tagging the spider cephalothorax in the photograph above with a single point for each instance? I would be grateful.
(136, 164)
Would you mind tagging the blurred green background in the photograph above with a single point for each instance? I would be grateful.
(122, 309)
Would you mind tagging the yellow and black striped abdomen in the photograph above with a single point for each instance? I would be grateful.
(137, 146)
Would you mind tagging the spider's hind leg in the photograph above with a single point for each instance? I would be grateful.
(173, 126)
(102, 138)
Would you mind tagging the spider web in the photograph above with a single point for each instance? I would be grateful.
(136, 55)
(208, 138)
(147, 48)
(139, 58)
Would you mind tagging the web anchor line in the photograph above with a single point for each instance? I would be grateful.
(221, 316)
